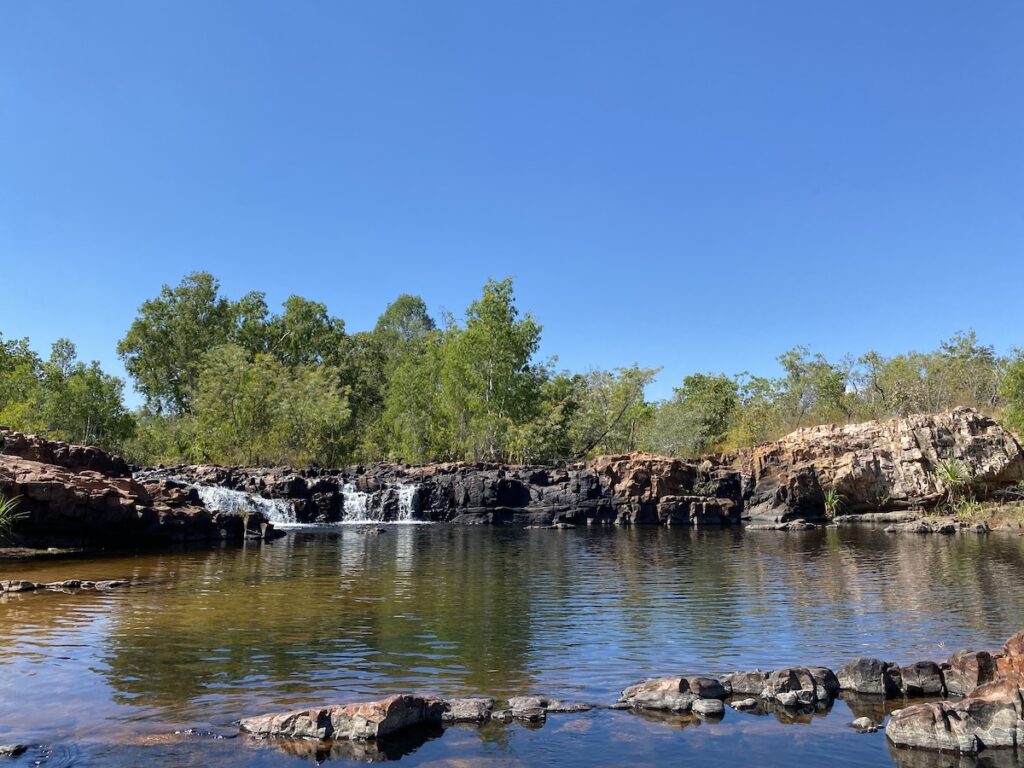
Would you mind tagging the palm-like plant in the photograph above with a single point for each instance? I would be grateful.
(9, 514)
(835, 502)
(954, 476)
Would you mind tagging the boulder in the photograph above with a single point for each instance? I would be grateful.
(791, 687)
(1009, 663)
(467, 710)
(367, 720)
(870, 676)
(989, 717)
(968, 669)
(923, 678)
(746, 682)
(670, 693)
(708, 707)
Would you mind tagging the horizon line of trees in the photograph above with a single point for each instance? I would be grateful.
(231, 382)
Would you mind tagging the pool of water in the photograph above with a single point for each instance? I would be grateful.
(157, 674)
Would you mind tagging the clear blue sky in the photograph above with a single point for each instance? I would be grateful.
(698, 185)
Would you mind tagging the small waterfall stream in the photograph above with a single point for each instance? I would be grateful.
(280, 512)
(395, 503)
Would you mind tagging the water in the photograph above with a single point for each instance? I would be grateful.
(106, 679)
(280, 512)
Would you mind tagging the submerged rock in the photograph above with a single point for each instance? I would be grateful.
(12, 750)
(708, 707)
(864, 725)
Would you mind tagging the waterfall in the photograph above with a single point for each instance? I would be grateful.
(280, 512)
(392, 504)
(406, 494)
(355, 505)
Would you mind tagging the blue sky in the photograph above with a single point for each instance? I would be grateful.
(697, 185)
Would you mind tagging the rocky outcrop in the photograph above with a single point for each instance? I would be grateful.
(621, 490)
(367, 720)
(880, 469)
(88, 498)
(991, 716)
(374, 720)
(876, 465)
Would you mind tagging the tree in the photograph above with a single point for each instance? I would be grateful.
(1012, 390)
(488, 384)
(697, 418)
(611, 411)
(164, 347)
(305, 333)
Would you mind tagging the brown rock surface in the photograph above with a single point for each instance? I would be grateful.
(875, 465)
(64, 504)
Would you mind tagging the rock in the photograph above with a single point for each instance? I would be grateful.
(876, 465)
(82, 496)
(743, 704)
(966, 670)
(870, 676)
(826, 683)
(102, 586)
(706, 688)
(787, 698)
(864, 725)
(368, 720)
(524, 707)
(922, 679)
(746, 682)
(989, 717)
(1009, 663)
(17, 585)
(12, 750)
(671, 693)
(467, 710)
(791, 687)
(708, 707)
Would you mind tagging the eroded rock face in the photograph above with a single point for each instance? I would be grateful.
(876, 465)
(966, 670)
(989, 717)
(73, 457)
(67, 504)
(1009, 663)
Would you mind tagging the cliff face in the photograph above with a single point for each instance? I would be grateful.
(75, 495)
(876, 465)
(75, 492)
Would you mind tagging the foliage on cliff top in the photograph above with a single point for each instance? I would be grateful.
(229, 381)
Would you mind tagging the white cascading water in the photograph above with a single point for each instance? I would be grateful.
(406, 493)
(361, 507)
(280, 512)
(355, 505)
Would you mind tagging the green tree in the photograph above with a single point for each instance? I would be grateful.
(488, 382)
(1012, 390)
(163, 349)
(696, 420)
(612, 413)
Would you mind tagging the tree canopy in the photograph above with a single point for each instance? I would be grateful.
(229, 381)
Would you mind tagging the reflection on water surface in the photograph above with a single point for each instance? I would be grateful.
(339, 615)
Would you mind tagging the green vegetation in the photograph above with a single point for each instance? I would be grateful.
(954, 476)
(229, 381)
(61, 396)
(9, 514)
(835, 502)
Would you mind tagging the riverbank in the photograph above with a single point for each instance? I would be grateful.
(945, 472)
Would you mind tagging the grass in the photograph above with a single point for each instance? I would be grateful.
(835, 503)
(9, 515)
(955, 477)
